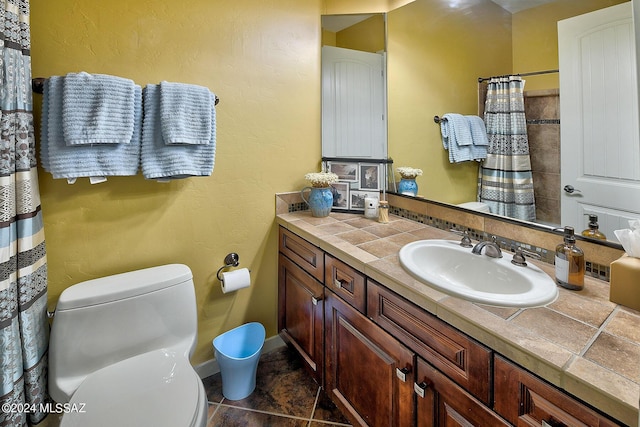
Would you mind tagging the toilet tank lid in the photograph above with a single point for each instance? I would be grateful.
(122, 286)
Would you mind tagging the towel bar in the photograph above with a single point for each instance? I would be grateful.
(437, 119)
(37, 86)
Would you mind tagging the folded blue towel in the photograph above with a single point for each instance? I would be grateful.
(97, 109)
(162, 161)
(100, 160)
(463, 137)
(478, 130)
(456, 137)
(479, 137)
(185, 113)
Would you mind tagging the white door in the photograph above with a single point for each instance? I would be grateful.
(353, 100)
(599, 119)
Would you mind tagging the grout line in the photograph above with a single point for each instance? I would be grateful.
(264, 412)
(597, 334)
(210, 419)
(315, 404)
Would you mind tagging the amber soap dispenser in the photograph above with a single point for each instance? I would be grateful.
(569, 262)
(593, 232)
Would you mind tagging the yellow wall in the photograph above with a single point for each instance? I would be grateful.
(435, 55)
(262, 59)
(535, 38)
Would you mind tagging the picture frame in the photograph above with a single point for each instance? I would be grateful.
(356, 199)
(346, 171)
(340, 192)
(369, 176)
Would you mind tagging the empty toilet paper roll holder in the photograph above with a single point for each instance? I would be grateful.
(231, 260)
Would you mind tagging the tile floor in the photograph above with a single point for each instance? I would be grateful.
(285, 395)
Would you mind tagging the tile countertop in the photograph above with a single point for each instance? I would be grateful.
(582, 343)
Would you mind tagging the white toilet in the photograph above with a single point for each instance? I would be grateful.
(475, 206)
(119, 351)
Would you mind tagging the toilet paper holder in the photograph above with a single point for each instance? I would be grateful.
(231, 260)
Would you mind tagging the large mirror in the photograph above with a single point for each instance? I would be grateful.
(436, 52)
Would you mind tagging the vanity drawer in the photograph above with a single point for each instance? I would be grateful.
(524, 399)
(462, 359)
(303, 253)
(348, 283)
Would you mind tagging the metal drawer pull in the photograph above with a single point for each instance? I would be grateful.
(338, 283)
(552, 422)
(315, 300)
(421, 388)
(402, 373)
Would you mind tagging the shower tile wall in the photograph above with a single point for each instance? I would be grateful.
(542, 109)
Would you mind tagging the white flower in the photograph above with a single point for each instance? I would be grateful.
(409, 173)
(321, 179)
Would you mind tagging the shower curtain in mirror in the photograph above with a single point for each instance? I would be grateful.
(505, 181)
(24, 329)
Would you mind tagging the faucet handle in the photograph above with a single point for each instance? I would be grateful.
(466, 240)
(519, 256)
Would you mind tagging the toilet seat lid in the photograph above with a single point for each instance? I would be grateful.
(159, 388)
(476, 206)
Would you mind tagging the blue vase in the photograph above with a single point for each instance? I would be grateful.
(408, 187)
(320, 200)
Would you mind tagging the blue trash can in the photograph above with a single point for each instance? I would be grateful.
(237, 352)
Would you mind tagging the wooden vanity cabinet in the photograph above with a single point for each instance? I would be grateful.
(369, 374)
(525, 400)
(385, 362)
(441, 402)
(300, 300)
(464, 360)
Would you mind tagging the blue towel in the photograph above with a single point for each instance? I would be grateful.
(185, 113)
(463, 137)
(479, 137)
(162, 161)
(97, 109)
(456, 137)
(70, 162)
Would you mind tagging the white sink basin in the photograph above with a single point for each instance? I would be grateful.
(450, 268)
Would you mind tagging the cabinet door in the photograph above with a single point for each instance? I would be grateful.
(441, 402)
(301, 314)
(525, 400)
(368, 373)
(464, 360)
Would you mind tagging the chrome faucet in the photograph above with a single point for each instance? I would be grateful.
(492, 249)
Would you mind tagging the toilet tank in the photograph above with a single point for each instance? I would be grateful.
(103, 321)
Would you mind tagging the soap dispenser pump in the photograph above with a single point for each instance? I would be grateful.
(592, 232)
(569, 262)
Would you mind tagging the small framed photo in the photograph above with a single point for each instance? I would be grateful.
(356, 199)
(340, 195)
(369, 176)
(345, 171)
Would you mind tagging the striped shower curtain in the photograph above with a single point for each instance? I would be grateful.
(505, 180)
(24, 328)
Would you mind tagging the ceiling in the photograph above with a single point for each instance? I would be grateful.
(514, 6)
(335, 23)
